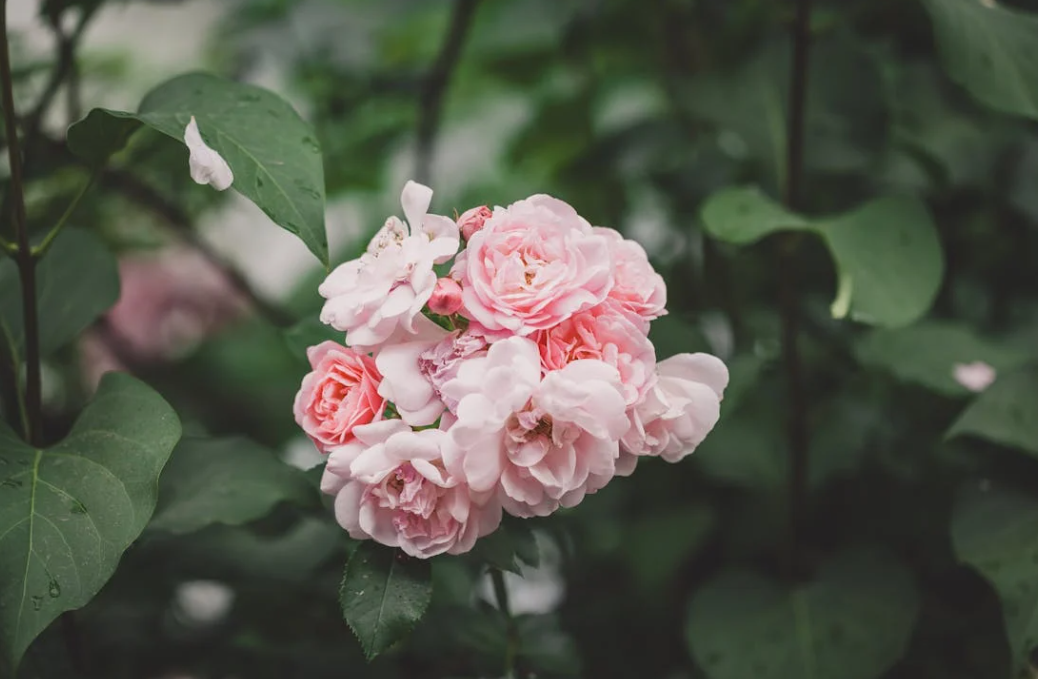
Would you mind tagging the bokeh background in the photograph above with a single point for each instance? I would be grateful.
(634, 111)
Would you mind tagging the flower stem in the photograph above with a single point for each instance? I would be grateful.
(797, 431)
(501, 595)
(23, 257)
(41, 249)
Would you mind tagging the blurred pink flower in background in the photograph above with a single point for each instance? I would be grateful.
(170, 300)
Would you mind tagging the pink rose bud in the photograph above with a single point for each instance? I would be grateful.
(446, 297)
(472, 220)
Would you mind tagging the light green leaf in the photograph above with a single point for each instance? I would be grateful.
(384, 594)
(926, 353)
(273, 153)
(744, 215)
(991, 50)
(67, 513)
(852, 621)
(1005, 412)
(996, 532)
(76, 282)
(888, 257)
(230, 481)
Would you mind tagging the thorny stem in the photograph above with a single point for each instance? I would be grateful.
(23, 257)
(501, 595)
(435, 86)
(797, 432)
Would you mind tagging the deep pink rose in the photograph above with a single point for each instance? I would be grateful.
(472, 220)
(341, 393)
(604, 334)
(637, 289)
(533, 265)
(396, 491)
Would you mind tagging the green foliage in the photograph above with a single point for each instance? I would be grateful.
(996, 532)
(888, 258)
(68, 512)
(509, 547)
(223, 481)
(274, 154)
(1005, 412)
(76, 283)
(851, 622)
(990, 50)
(384, 594)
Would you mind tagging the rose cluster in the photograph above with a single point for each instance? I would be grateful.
(520, 380)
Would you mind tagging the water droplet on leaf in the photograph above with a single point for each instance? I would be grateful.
(311, 144)
(54, 589)
(37, 603)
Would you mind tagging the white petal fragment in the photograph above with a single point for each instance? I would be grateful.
(207, 166)
(976, 376)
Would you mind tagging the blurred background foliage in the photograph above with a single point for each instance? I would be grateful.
(635, 113)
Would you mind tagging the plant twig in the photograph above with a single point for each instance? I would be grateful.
(430, 101)
(501, 595)
(797, 431)
(23, 258)
(45, 244)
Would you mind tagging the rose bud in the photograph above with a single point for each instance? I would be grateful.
(446, 297)
(472, 220)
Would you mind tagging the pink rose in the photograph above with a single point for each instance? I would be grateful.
(446, 297)
(397, 491)
(380, 294)
(677, 414)
(637, 289)
(472, 220)
(341, 393)
(542, 443)
(440, 363)
(403, 383)
(602, 333)
(533, 265)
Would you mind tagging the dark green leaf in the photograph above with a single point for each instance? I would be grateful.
(273, 153)
(852, 621)
(76, 282)
(230, 481)
(991, 50)
(384, 594)
(888, 258)
(996, 532)
(926, 353)
(545, 647)
(1005, 412)
(657, 545)
(509, 547)
(310, 332)
(67, 513)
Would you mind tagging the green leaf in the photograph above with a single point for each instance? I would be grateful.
(545, 647)
(1005, 412)
(926, 353)
(852, 621)
(991, 50)
(76, 282)
(384, 594)
(67, 513)
(996, 532)
(745, 215)
(658, 544)
(509, 547)
(230, 481)
(273, 153)
(888, 258)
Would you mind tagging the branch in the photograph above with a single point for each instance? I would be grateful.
(501, 595)
(23, 258)
(797, 431)
(430, 101)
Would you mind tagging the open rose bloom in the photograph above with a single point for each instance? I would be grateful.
(520, 382)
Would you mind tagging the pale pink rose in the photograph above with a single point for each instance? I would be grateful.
(680, 410)
(542, 443)
(403, 383)
(446, 297)
(383, 291)
(397, 491)
(976, 376)
(605, 334)
(533, 265)
(440, 363)
(472, 220)
(340, 394)
(637, 289)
